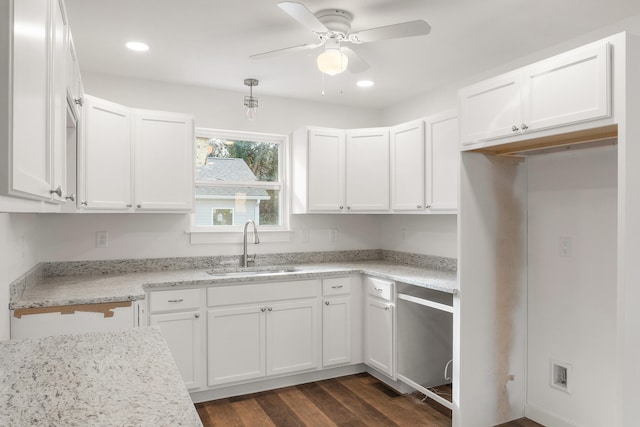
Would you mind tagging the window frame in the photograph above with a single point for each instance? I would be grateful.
(282, 184)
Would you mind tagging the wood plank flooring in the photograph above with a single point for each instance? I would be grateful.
(355, 400)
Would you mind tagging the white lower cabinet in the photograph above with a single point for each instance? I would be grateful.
(380, 326)
(336, 322)
(262, 329)
(178, 314)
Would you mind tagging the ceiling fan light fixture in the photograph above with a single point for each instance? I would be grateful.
(332, 61)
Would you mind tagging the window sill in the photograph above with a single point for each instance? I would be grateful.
(224, 237)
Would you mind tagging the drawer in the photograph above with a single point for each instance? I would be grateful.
(262, 292)
(380, 288)
(175, 299)
(337, 286)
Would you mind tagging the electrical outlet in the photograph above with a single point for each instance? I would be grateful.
(565, 246)
(102, 239)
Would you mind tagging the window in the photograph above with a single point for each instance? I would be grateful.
(238, 177)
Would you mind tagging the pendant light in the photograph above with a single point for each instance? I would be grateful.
(251, 102)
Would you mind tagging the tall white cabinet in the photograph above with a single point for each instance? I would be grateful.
(326, 170)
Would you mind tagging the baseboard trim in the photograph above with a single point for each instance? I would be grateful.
(546, 418)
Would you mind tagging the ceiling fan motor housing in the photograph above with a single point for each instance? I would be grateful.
(336, 20)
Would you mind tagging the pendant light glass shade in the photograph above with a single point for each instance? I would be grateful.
(332, 61)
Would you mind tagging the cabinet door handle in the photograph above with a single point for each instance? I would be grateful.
(326, 303)
(515, 128)
(57, 191)
(341, 207)
(176, 300)
(84, 203)
(524, 127)
(71, 197)
(419, 206)
(197, 315)
(348, 207)
(336, 287)
(387, 307)
(78, 101)
(270, 308)
(263, 309)
(129, 205)
(138, 206)
(379, 290)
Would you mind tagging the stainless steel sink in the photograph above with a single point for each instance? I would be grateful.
(253, 271)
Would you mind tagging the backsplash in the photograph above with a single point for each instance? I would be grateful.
(76, 268)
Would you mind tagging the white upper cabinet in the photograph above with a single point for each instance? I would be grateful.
(75, 89)
(407, 166)
(566, 89)
(325, 154)
(27, 154)
(104, 163)
(58, 112)
(135, 160)
(367, 170)
(338, 171)
(164, 160)
(442, 158)
(490, 109)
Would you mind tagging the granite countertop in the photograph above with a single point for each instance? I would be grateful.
(88, 289)
(124, 378)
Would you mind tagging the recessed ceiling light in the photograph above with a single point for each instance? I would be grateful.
(365, 83)
(137, 46)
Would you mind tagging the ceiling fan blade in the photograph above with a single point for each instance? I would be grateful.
(395, 31)
(285, 50)
(300, 13)
(356, 63)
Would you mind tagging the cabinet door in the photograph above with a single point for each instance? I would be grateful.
(29, 151)
(75, 90)
(336, 331)
(367, 170)
(164, 161)
(490, 109)
(293, 336)
(568, 88)
(379, 335)
(104, 168)
(58, 128)
(235, 344)
(325, 159)
(183, 333)
(407, 166)
(442, 162)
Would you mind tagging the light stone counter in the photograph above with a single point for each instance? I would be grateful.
(124, 378)
(70, 290)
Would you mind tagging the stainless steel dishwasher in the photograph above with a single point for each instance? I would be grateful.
(425, 340)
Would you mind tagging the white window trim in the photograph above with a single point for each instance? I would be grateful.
(273, 233)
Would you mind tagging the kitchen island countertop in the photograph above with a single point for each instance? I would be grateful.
(124, 378)
(91, 289)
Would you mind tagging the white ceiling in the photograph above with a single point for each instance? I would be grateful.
(208, 42)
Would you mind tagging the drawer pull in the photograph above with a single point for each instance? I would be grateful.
(326, 303)
(176, 300)
(387, 307)
(336, 287)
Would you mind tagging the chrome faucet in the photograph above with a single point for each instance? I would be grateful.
(246, 262)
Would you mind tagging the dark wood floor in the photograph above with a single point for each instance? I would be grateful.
(355, 400)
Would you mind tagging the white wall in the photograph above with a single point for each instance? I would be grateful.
(19, 251)
(572, 300)
(422, 234)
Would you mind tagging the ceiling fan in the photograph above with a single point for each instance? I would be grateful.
(333, 27)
